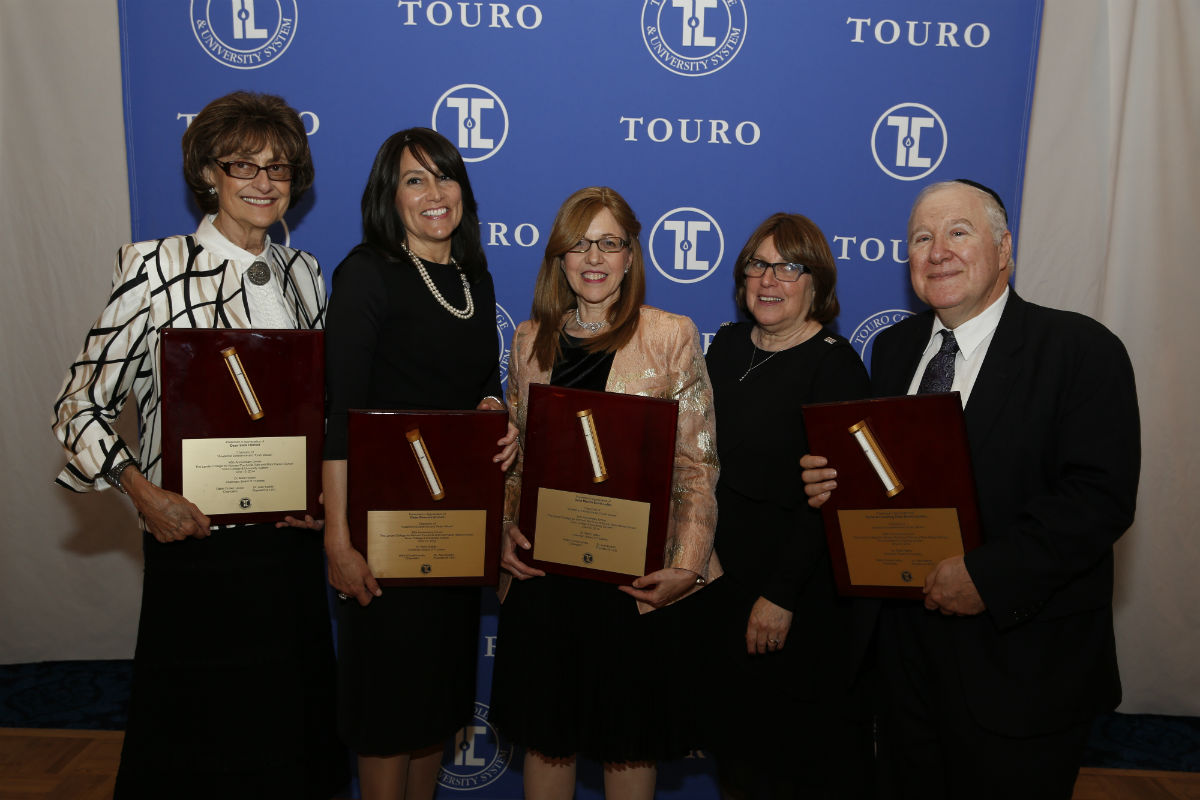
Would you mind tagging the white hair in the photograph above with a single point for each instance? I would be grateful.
(996, 217)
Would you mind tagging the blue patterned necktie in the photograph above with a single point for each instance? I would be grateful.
(939, 372)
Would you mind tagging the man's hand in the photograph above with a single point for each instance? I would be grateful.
(949, 589)
(818, 479)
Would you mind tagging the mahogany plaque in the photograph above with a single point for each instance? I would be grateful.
(906, 492)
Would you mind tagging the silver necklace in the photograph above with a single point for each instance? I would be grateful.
(590, 327)
(464, 313)
(753, 355)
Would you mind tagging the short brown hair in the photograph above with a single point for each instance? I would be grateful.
(800, 241)
(552, 295)
(245, 123)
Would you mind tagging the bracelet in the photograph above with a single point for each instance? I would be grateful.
(113, 474)
(493, 397)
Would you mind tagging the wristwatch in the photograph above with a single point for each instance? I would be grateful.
(113, 475)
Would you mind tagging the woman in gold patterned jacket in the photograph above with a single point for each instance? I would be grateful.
(579, 665)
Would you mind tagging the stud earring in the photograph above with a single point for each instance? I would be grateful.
(212, 190)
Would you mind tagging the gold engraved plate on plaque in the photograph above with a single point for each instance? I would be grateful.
(242, 382)
(586, 530)
(426, 544)
(862, 433)
(421, 454)
(595, 455)
(236, 476)
(886, 547)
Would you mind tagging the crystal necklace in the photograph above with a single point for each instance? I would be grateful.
(590, 327)
(465, 313)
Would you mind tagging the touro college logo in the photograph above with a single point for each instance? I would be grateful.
(686, 245)
(474, 118)
(693, 37)
(865, 333)
(477, 756)
(504, 332)
(909, 141)
(244, 34)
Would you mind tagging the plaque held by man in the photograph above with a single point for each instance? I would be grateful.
(906, 495)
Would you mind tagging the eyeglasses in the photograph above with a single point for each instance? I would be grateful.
(247, 170)
(784, 271)
(607, 244)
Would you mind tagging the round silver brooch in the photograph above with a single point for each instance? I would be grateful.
(259, 273)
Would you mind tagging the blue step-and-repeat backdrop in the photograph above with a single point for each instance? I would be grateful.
(707, 115)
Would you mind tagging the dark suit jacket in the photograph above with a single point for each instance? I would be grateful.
(1055, 444)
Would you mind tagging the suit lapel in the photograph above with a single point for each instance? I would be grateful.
(894, 371)
(1000, 370)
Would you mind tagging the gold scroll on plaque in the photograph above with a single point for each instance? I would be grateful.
(428, 472)
(242, 382)
(595, 454)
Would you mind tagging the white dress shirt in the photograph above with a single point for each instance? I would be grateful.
(974, 337)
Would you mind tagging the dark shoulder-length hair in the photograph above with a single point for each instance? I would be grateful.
(245, 123)
(383, 229)
(552, 295)
(800, 241)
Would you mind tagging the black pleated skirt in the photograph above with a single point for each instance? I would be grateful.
(579, 670)
(233, 689)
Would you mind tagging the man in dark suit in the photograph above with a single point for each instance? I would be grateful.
(992, 684)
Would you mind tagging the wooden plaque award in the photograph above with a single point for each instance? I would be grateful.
(243, 421)
(425, 498)
(596, 485)
(906, 492)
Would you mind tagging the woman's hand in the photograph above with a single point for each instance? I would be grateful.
(169, 517)
(662, 587)
(350, 575)
(307, 522)
(767, 628)
(510, 539)
(507, 444)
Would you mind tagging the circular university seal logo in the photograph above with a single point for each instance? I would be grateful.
(864, 334)
(244, 34)
(504, 332)
(693, 37)
(476, 757)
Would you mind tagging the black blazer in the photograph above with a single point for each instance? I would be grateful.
(1055, 444)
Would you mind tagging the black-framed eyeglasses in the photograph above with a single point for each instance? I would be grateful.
(607, 244)
(248, 170)
(785, 271)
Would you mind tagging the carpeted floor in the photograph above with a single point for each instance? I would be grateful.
(92, 695)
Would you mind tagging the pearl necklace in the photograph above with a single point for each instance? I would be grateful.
(465, 313)
(590, 327)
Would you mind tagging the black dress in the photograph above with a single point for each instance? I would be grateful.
(406, 662)
(772, 544)
(578, 668)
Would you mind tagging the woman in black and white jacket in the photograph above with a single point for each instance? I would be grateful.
(233, 675)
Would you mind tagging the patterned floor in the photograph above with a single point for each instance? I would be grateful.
(92, 695)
